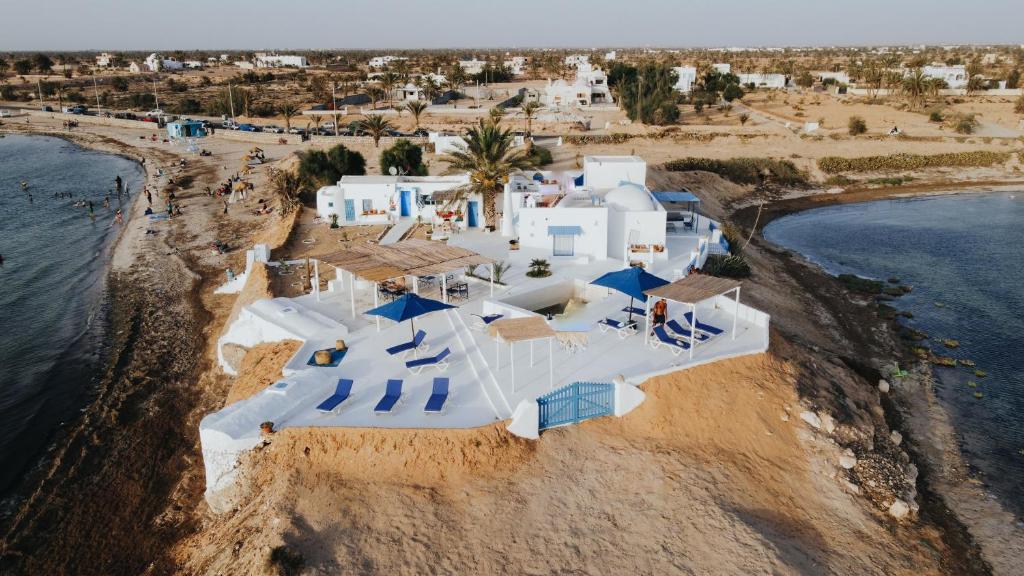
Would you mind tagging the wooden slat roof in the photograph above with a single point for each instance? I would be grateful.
(694, 288)
(413, 257)
(521, 329)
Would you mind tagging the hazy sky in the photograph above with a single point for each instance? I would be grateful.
(254, 24)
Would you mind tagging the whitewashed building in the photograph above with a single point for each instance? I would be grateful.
(473, 66)
(610, 56)
(770, 81)
(155, 63)
(517, 65)
(380, 199)
(384, 61)
(574, 60)
(605, 211)
(280, 61)
(134, 67)
(589, 88)
(722, 68)
(408, 93)
(103, 60)
(686, 77)
(955, 77)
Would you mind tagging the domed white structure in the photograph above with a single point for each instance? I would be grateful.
(629, 197)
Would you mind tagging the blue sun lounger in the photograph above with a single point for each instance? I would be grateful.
(415, 344)
(485, 321)
(341, 393)
(623, 329)
(633, 309)
(438, 397)
(440, 361)
(392, 394)
(684, 332)
(675, 345)
(705, 328)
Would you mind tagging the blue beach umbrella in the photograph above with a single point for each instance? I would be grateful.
(632, 282)
(408, 307)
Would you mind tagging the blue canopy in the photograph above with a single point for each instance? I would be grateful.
(578, 181)
(676, 197)
(407, 307)
(632, 282)
(538, 177)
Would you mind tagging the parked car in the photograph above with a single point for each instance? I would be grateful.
(76, 109)
(297, 130)
(47, 108)
(155, 113)
(249, 128)
(229, 125)
(422, 133)
(273, 129)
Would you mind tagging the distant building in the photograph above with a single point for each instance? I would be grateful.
(104, 60)
(186, 129)
(770, 81)
(194, 64)
(687, 77)
(384, 61)
(408, 93)
(575, 60)
(589, 88)
(610, 56)
(280, 61)
(517, 64)
(245, 65)
(722, 68)
(955, 77)
(155, 63)
(134, 68)
(473, 66)
(839, 77)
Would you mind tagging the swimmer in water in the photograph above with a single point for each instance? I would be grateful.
(24, 185)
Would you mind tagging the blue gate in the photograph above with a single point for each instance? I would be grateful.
(576, 402)
(471, 214)
(405, 201)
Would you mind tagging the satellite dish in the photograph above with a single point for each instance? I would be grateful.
(393, 171)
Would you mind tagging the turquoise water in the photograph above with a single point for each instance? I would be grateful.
(51, 287)
(964, 258)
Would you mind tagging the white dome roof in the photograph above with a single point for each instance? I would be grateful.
(629, 197)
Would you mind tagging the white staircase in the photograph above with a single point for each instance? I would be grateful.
(397, 231)
(475, 358)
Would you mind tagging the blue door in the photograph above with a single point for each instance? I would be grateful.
(350, 210)
(405, 202)
(471, 214)
(576, 402)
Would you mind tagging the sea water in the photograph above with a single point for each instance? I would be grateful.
(964, 258)
(51, 287)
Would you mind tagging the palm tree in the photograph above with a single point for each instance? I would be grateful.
(489, 158)
(376, 94)
(377, 126)
(530, 110)
(287, 186)
(496, 114)
(916, 87)
(288, 111)
(416, 108)
(429, 87)
(388, 81)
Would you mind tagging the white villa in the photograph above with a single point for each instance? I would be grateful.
(589, 88)
(408, 93)
(155, 63)
(722, 68)
(512, 347)
(262, 60)
(574, 60)
(473, 66)
(686, 78)
(384, 61)
(770, 81)
(517, 65)
(955, 77)
(103, 60)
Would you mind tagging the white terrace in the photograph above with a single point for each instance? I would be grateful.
(489, 378)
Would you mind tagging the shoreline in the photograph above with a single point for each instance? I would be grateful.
(950, 494)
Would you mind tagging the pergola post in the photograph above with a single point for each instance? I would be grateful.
(736, 312)
(492, 278)
(497, 353)
(551, 363)
(647, 320)
(512, 363)
(693, 327)
(416, 285)
(444, 288)
(376, 296)
(352, 292)
(531, 353)
(316, 276)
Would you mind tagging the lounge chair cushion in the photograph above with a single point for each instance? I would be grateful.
(392, 394)
(406, 346)
(438, 397)
(341, 393)
(429, 361)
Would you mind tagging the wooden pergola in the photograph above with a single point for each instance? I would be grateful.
(690, 290)
(527, 329)
(414, 257)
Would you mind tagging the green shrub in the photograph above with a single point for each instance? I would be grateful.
(936, 116)
(858, 284)
(541, 155)
(839, 180)
(743, 170)
(857, 126)
(539, 268)
(726, 266)
(836, 164)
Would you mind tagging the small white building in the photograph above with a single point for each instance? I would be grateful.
(686, 78)
(379, 199)
(103, 60)
(408, 93)
(604, 212)
(574, 60)
(839, 77)
(610, 56)
(473, 66)
(770, 81)
(194, 64)
(384, 61)
(589, 88)
(517, 65)
(245, 65)
(134, 67)
(955, 77)
(155, 63)
(280, 61)
(722, 68)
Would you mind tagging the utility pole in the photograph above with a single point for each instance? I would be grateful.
(39, 87)
(156, 97)
(334, 106)
(231, 104)
(96, 89)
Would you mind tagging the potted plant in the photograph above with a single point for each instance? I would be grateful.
(334, 220)
(513, 244)
(539, 268)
